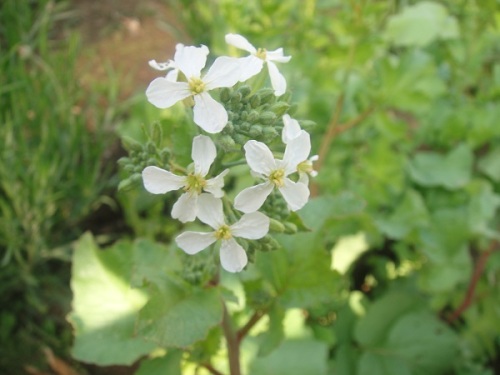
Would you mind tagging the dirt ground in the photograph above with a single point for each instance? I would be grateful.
(124, 35)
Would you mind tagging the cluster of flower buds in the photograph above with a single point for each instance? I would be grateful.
(241, 127)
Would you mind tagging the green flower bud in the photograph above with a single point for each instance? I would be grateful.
(267, 118)
(165, 155)
(229, 128)
(290, 228)
(122, 162)
(255, 131)
(151, 148)
(233, 116)
(129, 168)
(307, 124)
(236, 98)
(266, 95)
(244, 91)
(126, 184)
(225, 95)
(131, 144)
(270, 132)
(253, 116)
(279, 108)
(240, 139)
(276, 226)
(254, 101)
(244, 115)
(152, 161)
(245, 126)
(227, 143)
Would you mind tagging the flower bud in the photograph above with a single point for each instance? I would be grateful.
(165, 155)
(229, 128)
(255, 101)
(151, 148)
(253, 116)
(255, 131)
(245, 126)
(267, 117)
(244, 91)
(236, 98)
(276, 226)
(227, 143)
(122, 162)
(266, 95)
(290, 228)
(240, 139)
(131, 144)
(225, 95)
(280, 108)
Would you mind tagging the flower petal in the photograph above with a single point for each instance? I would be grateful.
(210, 210)
(161, 66)
(194, 242)
(209, 114)
(296, 194)
(277, 80)
(203, 154)
(252, 198)
(186, 207)
(249, 67)
(240, 42)
(224, 72)
(164, 93)
(251, 226)
(277, 55)
(160, 181)
(259, 157)
(233, 257)
(297, 150)
(172, 75)
(215, 185)
(191, 60)
(291, 128)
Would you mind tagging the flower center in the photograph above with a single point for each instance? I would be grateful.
(223, 233)
(194, 183)
(306, 166)
(261, 53)
(196, 85)
(277, 177)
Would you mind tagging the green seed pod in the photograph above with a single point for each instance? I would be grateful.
(290, 228)
(244, 91)
(276, 226)
(255, 131)
(131, 144)
(267, 118)
(266, 95)
(254, 101)
(280, 108)
(225, 95)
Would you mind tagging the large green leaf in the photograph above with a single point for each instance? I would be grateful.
(169, 364)
(451, 171)
(421, 24)
(104, 305)
(176, 317)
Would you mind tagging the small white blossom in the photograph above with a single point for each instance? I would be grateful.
(291, 130)
(209, 114)
(252, 64)
(160, 181)
(275, 172)
(233, 257)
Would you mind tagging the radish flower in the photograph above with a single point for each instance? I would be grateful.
(275, 173)
(160, 181)
(252, 64)
(233, 257)
(209, 114)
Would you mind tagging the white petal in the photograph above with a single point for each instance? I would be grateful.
(291, 128)
(277, 80)
(249, 67)
(163, 93)
(251, 226)
(233, 257)
(297, 150)
(161, 66)
(172, 75)
(240, 42)
(203, 154)
(210, 210)
(252, 198)
(215, 185)
(224, 72)
(296, 194)
(277, 55)
(209, 114)
(191, 60)
(194, 242)
(160, 181)
(259, 157)
(185, 209)
(304, 178)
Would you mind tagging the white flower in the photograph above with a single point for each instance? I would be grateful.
(291, 130)
(233, 257)
(252, 64)
(160, 181)
(210, 115)
(275, 172)
(170, 65)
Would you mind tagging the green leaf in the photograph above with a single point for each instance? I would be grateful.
(421, 24)
(293, 357)
(169, 364)
(105, 306)
(490, 164)
(175, 317)
(451, 171)
(274, 335)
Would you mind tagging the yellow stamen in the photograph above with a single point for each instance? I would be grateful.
(196, 85)
(195, 183)
(261, 53)
(223, 233)
(277, 177)
(305, 166)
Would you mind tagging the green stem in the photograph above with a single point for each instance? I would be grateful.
(233, 345)
(234, 163)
